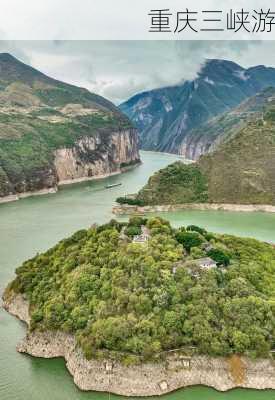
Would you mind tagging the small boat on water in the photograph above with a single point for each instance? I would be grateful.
(113, 185)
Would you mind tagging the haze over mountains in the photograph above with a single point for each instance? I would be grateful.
(172, 119)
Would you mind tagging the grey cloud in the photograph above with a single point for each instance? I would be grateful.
(119, 69)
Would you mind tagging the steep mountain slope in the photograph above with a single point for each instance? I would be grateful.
(240, 171)
(166, 117)
(51, 131)
(243, 169)
(208, 136)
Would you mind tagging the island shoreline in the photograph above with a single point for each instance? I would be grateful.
(132, 209)
(145, 379)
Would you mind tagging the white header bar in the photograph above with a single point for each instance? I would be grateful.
(130, 20)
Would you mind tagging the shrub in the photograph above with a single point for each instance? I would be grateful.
(132, 231)
(137, 221)
(195, 228)
(189, 239)
(219, 256)
(130, 202)
(209, 236)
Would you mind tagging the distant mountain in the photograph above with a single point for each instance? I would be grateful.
(167, 118)
(240, 171)
(52, 132)
(208, 136)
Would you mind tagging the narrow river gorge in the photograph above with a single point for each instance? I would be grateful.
(34, 224)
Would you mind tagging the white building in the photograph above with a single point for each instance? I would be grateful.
(143, 237)
(205, 263)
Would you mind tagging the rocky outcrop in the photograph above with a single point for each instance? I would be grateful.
(18, 306)
(127, 209)
(95, 157)
(53, 133)
(177, 370)
(92, 157)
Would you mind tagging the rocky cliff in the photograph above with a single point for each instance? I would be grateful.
(53, 133)
(174, 119)
(178, 369)
(91, 157)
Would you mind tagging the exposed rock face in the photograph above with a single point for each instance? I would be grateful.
(18, 307)
(41, 180)
(94, 157)
(143, 379)
(52, 132)
(168, 118)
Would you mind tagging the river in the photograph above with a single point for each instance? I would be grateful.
(34, 224)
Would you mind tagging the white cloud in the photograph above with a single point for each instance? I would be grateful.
(110, 20)
(119, 69)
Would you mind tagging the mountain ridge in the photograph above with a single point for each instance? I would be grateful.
(240, 170)
(166, 116)
(52, 131)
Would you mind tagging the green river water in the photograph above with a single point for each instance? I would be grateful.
(34, 224)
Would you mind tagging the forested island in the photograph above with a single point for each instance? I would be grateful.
(133, 294)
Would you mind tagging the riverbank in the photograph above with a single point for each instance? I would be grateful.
(76, 207)
(19, 196)
(146, 379)
(179, 156)
(127, 209)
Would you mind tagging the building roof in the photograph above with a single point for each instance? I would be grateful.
(207, 261)
(141, 238)
(144, 236)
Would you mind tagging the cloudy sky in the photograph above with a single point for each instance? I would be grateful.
(120, 69)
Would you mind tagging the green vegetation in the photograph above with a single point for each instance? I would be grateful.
(39, 115)
(130, 201)
(189, 239)
(28, 159)
(240, 171)
(175, 184)
(195, 228)
(119, 296)
(131, 231)
(219, 256)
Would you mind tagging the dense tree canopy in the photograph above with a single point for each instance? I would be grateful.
(189, 239)
(122, 296)
(176, 184)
